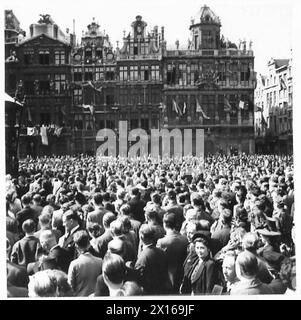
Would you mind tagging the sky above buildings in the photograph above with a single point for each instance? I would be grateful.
(268, 24)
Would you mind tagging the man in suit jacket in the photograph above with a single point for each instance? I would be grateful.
(71, 224)
(247, 271)
(152, 265)
(84, 270)
(57, 257)
(24, 251)
(101, 243)
(175, 246)
(96, 216)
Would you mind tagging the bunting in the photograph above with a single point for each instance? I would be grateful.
(184, 108)
(263, 122)
(58, 131)
(241, 105)
(90, 84)
(282, 84)
(32, 131)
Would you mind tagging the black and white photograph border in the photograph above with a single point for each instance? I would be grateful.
(90, 85)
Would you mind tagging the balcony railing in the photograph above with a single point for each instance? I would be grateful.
(209, 52)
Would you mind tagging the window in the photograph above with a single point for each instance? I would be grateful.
(245, 72)
(155, 122)
(29, 87)
(207, 39)
(88, 74)
(99, 74)
(44, 86)
(123, 73)
(233, 73)
(196, 41)
(134, 124)
(77, 97)
(144, 48)
(144, 73)
(43, 57)
(133, 73)
(45, 118)
(194, 73)
(145, 123)
(28, 57)
(78, 122)
(208, 105)
(274, 97)
(98, 53)
(123, 96)
(77, 73)
(155, 72)
(60, 83)
(110, 124)
(110, 99)
(88, 122)
(182, 74)
(110, 73)
(88, 56)
(59, 57)
(290, 95)
(222, 72)
(171, 74)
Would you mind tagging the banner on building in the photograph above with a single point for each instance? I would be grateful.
(44, 135)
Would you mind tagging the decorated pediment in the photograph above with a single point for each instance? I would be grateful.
(42, 39)
(208, 80)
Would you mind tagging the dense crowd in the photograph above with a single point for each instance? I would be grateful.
(87, 226)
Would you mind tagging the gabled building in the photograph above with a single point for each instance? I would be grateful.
(274, 130)
(210, 85)
(42, 78)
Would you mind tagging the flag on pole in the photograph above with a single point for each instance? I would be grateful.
(241, 104)
(184, 108)
(176, 107)
(44, 135)
(11, 99)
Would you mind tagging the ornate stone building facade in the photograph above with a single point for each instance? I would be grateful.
(90, 86)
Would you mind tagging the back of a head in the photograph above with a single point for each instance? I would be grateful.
(41, 285)
(197, 200)
(98, 198)
(156, 198)
(113, 268)
(44, 219)
(71, 214)
(107, 218)
(169, 220)
(47, 235)
(135, 192)
(172, 195)
(26, 199)
(117, 246)
(81, 239)
(248, 264)
(147, 234)
(37, 198)
(250, 242)
(116, 227)
(226, 216)
(28, 226)
(106, 196)
(125, 210)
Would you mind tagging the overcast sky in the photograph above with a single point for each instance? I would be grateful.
(267, 23)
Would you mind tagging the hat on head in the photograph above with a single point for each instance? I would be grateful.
(200, 235)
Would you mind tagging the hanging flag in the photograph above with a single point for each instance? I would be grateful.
(263, 122)
(258, 109)
(176, 107)
(184, 108)
(200, 109)
(90, 84)
(241, 104)
(11, 99)
(44, 135)
(58, 131)
(29, 114)
(227, 105)
(282, 84)
(31, 131)
(162, 106)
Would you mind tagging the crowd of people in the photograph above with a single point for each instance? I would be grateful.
(90, 227)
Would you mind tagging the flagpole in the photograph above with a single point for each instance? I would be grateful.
(19, 129)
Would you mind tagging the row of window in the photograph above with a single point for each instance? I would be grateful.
(86, 122)
(44, 57)
(135, 96)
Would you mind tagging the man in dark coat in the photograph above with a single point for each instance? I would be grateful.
(175, 246)
(26, 213)
(137, 205)
(152, 265)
